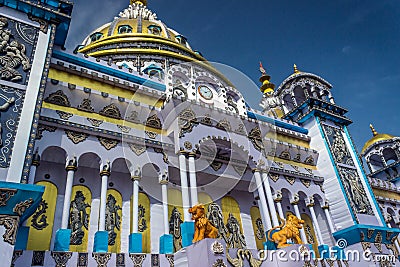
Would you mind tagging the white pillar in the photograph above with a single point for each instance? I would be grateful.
(192, 179)
(184, 186)
(270, 199)
(297, 213)
(315, 223)
(329, 218)
(71, 168)
(104, 173)
(278, 201)
(164, 192)
(135, 205)
(263, 201)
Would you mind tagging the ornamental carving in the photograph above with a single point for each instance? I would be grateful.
(338, 145)
(219, 263)
(82, 259)
(113, 220)
(42, 128)
(124, 129)
(239, 169)
(86, 105)
(305, 182)
(256, 139)
(309, 160)
(58, 98)
(155, 260)
(241, 129)
(285, 155)
(137, 149)
(13, 54)
(137, 259)
(136, 10)
(61, 258)
(38, 258)
(5, 195)
(244, 254)
(161, 151)
(101, 258)
(236, 238)
(274, 177)
(291, 180)
(260, 229)
(154, 122)
(94, 122)
(21, 207)
(108, 143)
(187, 120)
(39, 218)
(133, 117)
(76, 137)
(170, 259)
(16, 255)
(111, 111)
(64, 115)
(11, 224)
(175, 222)
(224, 125)
(142, 224)
(216, 165)
(217, 247)
(207, 120)
(120, 260)
(78, 218)
(214, 215)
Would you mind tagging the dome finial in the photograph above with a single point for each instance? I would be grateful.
(142, 2)
(267, 87)
(374, 132)
(296, 70)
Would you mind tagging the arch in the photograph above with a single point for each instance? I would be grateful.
(41, 222)
(310, 232)
(124, 29)
(89, 160)
(79, 218)
(299, 94)
(258, 227)
(143, 221)
(287, 99)
(122, 165)
(390, 156)
(375, 161)
(114, 220)
(54, 154)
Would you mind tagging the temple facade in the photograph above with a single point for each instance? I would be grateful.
(104, 149)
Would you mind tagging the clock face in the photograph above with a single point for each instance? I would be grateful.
(205, 92)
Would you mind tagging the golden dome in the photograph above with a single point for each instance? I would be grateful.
(376, 138)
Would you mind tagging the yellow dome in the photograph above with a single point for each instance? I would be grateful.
(137, 29)
(376, 138)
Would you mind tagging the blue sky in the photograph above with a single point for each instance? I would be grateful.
(352, 44)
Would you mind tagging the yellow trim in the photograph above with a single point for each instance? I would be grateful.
(276, 159)
(100, 117)
(103, 87)
(255, 214)
(386, 194)
(39, 240)
(288, 139)
(230, 205)
(135, 37)
(116, 248)
(88, 199)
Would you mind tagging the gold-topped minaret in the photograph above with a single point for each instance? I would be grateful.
(374, 132)
(296, 70)
(140, 2)
(267, 87)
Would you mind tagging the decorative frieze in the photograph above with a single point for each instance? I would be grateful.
(101, 258)
(76, 137)
(58, 98)
(137, 259)
(5, 195)
(61, 258)
(108, 143)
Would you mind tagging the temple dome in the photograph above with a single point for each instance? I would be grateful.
(377, 137)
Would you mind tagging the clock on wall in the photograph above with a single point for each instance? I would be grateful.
(205, 92)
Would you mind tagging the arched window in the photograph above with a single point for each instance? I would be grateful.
(375, 162)
(390, 155)
(181, 39)
(154, 29)
(124, 29)
(96, 36)
(287, 99)
(299, 94)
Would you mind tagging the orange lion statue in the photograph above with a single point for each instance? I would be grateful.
(203, 227)
(290, 230)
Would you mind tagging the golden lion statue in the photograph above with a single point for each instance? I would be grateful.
(203, 227)
(290, 230)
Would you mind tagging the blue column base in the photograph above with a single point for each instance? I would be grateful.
(22, 238)
(62, 240)
(324, 251)
(135, 243)
(166, 244)
(270, 245)
(338, 253)
(187, 231)
(100, 242)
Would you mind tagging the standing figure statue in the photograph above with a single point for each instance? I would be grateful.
(78, 218)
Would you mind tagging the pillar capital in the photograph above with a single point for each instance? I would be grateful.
(295, 199)
(278, 196)
(135, 178)
(71, 164)
(310, 202)
(36, 158)
(163, 178)
(192, 154)
(105, 169)
(183, 152)
(255, 170)
(326, 205)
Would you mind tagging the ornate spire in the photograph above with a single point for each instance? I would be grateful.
(267, 87)
(296, 70)
(143, 2)
(374, 132)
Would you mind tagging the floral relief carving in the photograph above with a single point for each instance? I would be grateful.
(108, 143)
(76, 137)
(5, 195)
(11, 225)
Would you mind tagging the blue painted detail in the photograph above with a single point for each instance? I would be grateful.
(324, 251)
(338, 253)
(336, 170)
(187, 230)
(277, 123)
(270, 245)
(100, 242)
(110, 71)
(364, 176)
(62, 240)
(24, 192)
(22, 238)
(353, 234)
(49, 10)
(135, 243)
(166, 244)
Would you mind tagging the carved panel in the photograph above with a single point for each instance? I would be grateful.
(111, 111)
(5, 195)
(42, 128)
(137, 149)
(82, 260)
(76, 137)
(108, 143)
(86, 105)
(61, 258)
(137, 259)
(187, 120)
(175, 222)
(113, 220)
(11, 225)
(338, 145)
(78, 218)
(38, 258)
(142, 223)
(170, 259)
(155, 260)
(101, 258)
(256, 139)
(58, 98)
(120, 260)
(16, 255)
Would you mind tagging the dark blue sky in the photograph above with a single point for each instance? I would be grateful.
(352, 44)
